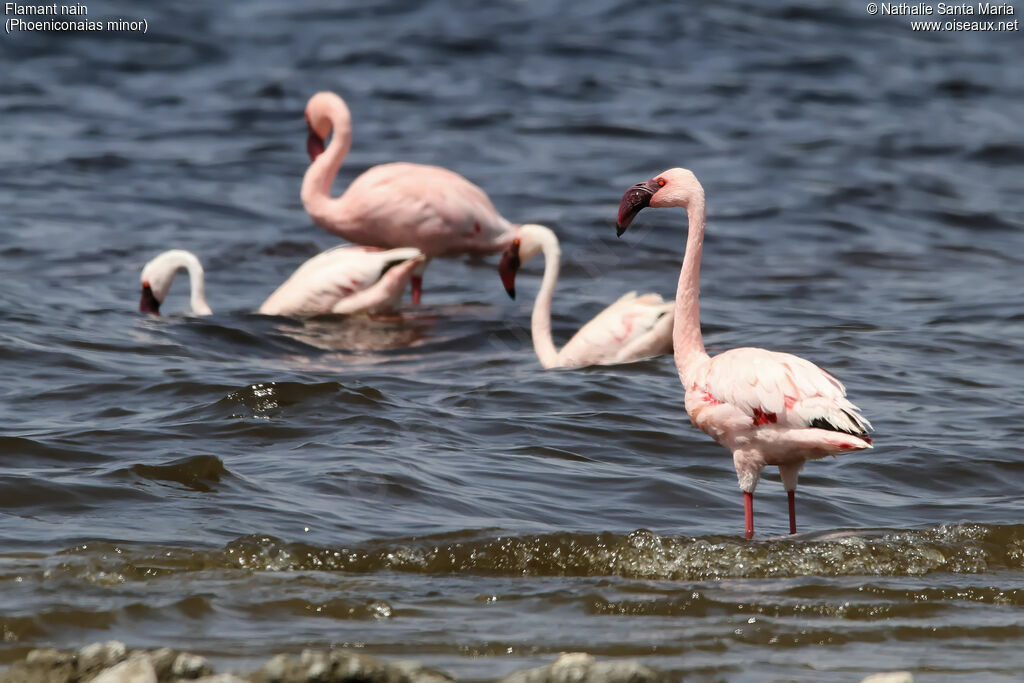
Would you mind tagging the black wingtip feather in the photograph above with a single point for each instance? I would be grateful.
(823, 423)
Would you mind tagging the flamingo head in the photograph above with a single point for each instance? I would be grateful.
(674, 187)
(325, 112)
(509, 266)
(148, 303)
(156, 278)
(530, 239)
(158, 274)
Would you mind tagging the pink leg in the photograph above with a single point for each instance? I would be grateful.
(417, 288)
(748, 512)
(792, 511)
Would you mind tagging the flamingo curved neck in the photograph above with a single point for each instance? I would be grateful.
(687, 340)
(168, 264)
(197, 283)
(316, 183)
(540, 321)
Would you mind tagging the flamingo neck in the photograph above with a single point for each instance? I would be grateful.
(687, 341)
(540, 322)
(167, 265)
(197, 283)
(198, 299)
(316, 183)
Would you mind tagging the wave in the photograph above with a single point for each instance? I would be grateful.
(956, 548)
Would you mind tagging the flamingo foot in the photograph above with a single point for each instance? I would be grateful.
(417, 289)
(792, 511)
(748, 512)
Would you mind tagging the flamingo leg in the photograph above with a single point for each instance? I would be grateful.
(748, 512)
(792, 511)
(417, 288)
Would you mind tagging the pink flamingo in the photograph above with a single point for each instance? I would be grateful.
(344, 279)
(398, 204)
(768, 408)
(632, 328)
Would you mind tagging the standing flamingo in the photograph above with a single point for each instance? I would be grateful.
(768, 408)
(397, 204)
(632, 328)
(344, 279)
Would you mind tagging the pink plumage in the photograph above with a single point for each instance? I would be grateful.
(398, 204)
(768, 408)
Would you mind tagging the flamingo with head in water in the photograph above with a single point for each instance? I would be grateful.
(632, 328)
(344, 279)
(768, 408)
(397, 204)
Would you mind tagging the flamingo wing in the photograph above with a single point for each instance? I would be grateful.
(429, 207)
(780, 388)
(319, 284)
(631, 328)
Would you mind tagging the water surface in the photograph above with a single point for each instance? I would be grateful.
(419, 487)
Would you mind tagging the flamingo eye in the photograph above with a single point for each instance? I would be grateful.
(661, 182)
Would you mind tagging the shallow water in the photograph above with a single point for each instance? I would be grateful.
(419, 487)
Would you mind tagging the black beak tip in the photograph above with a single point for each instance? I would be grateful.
(148, 302)
(619, 229)
(511, 292)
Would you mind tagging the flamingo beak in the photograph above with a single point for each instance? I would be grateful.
(636, 199)
(508, 267)
(148, 302)
(314, 143)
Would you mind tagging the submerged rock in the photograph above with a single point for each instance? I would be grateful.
(100, 656)
(51, 665)
(135, 669)
(190, 666)
(890, 677)
(112, 662)
(579, 667)
(339, 666)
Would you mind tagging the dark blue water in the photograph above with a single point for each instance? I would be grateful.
(420, 488)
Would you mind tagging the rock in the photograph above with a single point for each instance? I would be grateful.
(890, 677)
(99, 656)
(111, 663)
(190, 666)
(42, 666)
(275, 669)
(417, 673)
(136, 669)
(340, 666)
(163, 661)
(49, 658)
(578, 667)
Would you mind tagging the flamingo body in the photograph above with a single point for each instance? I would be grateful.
(768, 408)
(398, 204)
(428, 207)
(772, 408)
(631, 328)
(346, 279)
